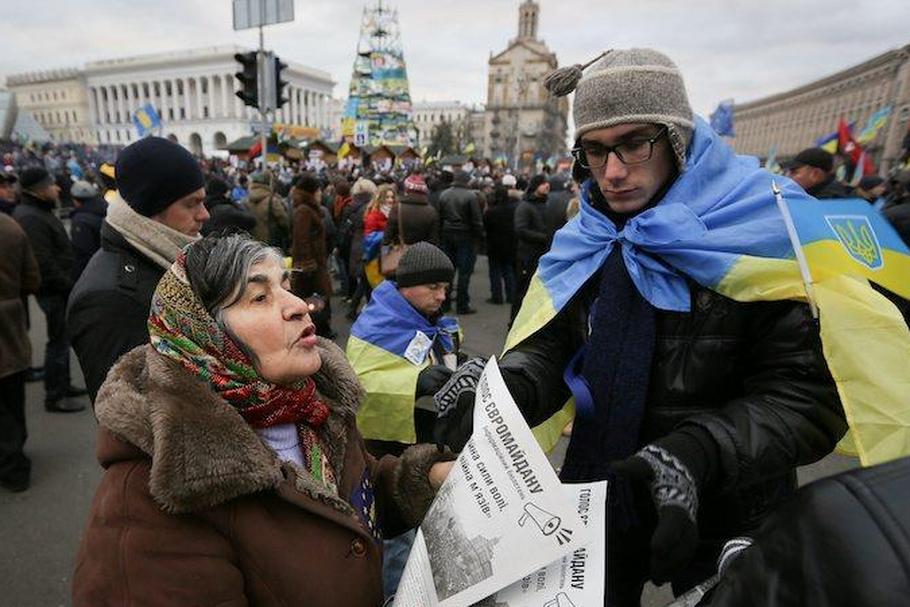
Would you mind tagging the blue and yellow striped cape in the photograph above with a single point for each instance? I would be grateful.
(377, 350)
(719, 225)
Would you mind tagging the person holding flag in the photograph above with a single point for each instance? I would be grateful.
(672, 312)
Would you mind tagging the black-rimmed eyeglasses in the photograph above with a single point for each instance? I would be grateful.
(592, 155)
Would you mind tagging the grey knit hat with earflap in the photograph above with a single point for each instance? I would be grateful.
(628, 86)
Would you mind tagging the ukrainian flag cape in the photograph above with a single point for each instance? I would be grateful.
(387, 354)
(719, 225)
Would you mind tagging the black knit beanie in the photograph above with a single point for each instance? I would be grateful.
(35, 178)
(423, 264)
(536, 182)
(155, 172)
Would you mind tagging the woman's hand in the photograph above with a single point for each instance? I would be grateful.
(438, 473)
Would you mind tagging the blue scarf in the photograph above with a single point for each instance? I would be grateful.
(720, 209)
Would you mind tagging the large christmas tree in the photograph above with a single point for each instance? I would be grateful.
(378, 110)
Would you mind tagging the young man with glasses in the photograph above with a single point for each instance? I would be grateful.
(696, 407)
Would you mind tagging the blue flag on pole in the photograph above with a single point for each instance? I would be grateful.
(146, 119)
(722, 119)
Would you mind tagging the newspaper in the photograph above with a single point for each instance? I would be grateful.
(500, 515)
(575, 580)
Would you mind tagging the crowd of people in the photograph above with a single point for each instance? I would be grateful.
(197, 295)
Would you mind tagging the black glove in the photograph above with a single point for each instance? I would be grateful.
(657, 474)
(431, 379)
(455, 406)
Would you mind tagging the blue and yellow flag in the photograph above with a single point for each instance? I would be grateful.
(389, 346)
(145, 119)
(719, 225)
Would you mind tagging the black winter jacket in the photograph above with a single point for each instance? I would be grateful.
(899, 216)
(499, 222)
(226, 217)
(50, 244)
(843, 541)
(350, 232)
(85, 232)
(749, 375)
(831, 188)
(532, 238)
(109, 307)
(459, 210)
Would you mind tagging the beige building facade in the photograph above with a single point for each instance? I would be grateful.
(795, 119)
(521, 119)
(57, 101)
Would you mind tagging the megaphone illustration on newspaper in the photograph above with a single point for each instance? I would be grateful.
(561, 600)
(547, 523)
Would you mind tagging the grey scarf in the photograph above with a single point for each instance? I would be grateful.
(153, 239)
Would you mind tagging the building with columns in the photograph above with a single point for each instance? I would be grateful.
(193, 92)
(57, 101)
(522, 120)
(463, 118)
(795, 119)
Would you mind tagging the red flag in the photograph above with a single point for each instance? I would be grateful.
(848, 146)
(255, 149)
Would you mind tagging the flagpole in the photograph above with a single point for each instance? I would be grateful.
(797, 248)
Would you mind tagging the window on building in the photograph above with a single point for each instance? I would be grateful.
(170, 113)
(183, 113)
(205, 111)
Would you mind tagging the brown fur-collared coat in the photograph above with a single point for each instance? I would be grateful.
(194, 509)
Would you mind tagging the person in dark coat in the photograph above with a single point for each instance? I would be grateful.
(7, 192)
(19, 277)
(557, 203)
(89, 210)
(897, 210)
(835, 543)
(532, 237)
(462, 234)
(350, 234)
(342, 201)
(308, 252)
(160, 208)
(419, 221)
(813, 169)
(226, 216)
(39, 194)
(499, 225)
(697, 409)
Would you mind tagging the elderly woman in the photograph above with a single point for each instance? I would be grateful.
(234, 472)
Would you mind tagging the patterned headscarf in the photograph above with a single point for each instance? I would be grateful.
(181, 329)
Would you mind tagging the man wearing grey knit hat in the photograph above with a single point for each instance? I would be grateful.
(403, 319)
(695, 407)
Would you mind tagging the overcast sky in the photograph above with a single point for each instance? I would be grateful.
(725, 48)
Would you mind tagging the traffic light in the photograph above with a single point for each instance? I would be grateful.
(249, 84)
(280, 99)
